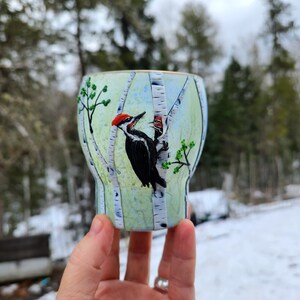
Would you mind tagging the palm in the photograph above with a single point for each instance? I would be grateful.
(115, 289)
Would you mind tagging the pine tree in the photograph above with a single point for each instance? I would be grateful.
(74, 33)
(196, 40)
(232, 134)
(25, 72)
(131, 43)
(282, 100)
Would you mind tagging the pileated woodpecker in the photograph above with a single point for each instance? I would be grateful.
(158, 128)
(140, 149)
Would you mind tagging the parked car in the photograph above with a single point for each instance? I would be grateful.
(210, 204)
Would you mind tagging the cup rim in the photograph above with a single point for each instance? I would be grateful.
(143, 71)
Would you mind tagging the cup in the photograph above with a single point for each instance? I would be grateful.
(142, 134)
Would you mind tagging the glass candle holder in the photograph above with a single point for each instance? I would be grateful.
(142, 133)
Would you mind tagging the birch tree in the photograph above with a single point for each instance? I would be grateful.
(283, 100)
(161, 140)
(88, 101)
(119, 219)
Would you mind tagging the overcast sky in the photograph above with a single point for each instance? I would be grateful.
(238, 21)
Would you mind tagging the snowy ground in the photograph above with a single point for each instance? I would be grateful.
(254, 256)
(61, 221)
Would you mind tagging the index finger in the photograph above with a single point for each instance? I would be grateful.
(82, 273)
(110, 269)
(183, 262)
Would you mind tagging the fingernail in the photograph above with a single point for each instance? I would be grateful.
(96, 226)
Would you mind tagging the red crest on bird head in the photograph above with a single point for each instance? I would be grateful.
(158, 121)
(119, 118)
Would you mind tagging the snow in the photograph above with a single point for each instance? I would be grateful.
(56, 220)
(292, 190)
(35, 288)
(49, 296)
(9, 290)
(254, 255)
(53, 177)
(209, 204)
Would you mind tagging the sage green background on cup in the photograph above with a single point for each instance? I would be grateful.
(179, 100)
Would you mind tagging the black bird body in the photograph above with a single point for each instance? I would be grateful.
(142, 154)
(141, 151)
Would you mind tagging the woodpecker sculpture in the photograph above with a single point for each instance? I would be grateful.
(141, 150)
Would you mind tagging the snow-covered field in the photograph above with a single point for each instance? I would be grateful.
(254, 256)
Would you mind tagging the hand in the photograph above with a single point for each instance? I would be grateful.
(93, 269)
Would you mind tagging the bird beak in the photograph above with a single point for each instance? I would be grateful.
(136, 118)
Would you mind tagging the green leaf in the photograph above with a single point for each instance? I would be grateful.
(106, 102)
(92, 95)
(94, 87)
(165, 165)
(192, 144)
(183, 145)
(88, 82)
(92, 107)
(104, 90)
(78, 99)
(176, 170)
(178, 155)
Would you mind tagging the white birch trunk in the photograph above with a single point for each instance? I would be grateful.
(99, 189)
(169, 121)
(203, 102)
(160, 218)
(98, 152)
(176, 104)
(119, 219)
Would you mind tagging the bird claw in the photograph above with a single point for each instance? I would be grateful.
(165, 146)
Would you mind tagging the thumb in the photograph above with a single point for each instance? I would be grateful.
(82, 274)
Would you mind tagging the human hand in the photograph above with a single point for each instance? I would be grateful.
(93, 269)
